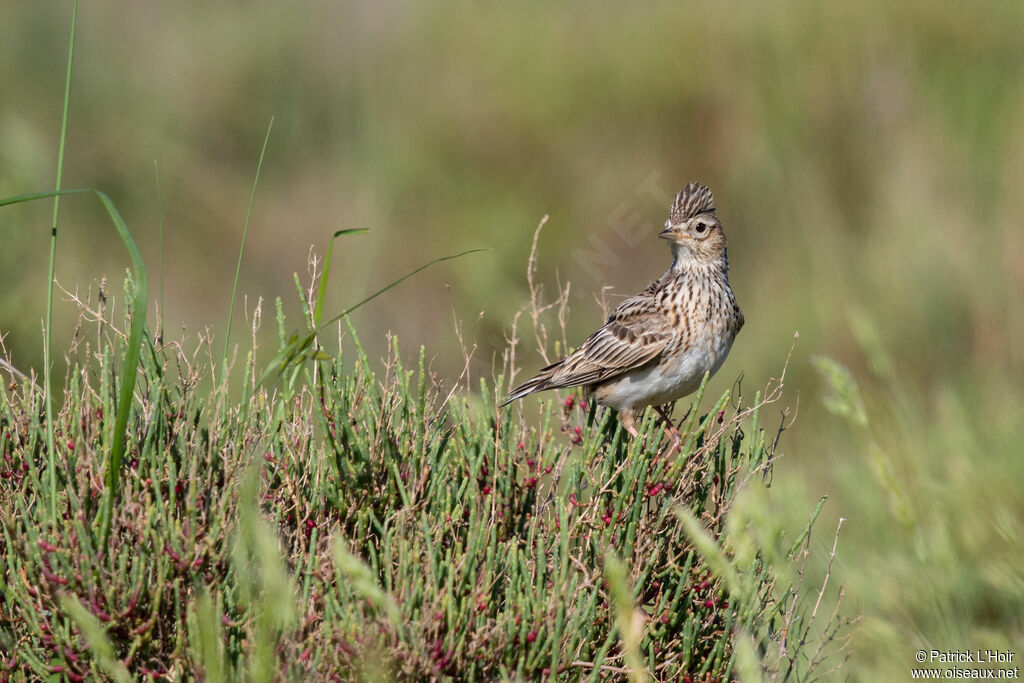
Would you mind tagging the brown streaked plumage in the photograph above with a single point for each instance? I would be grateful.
(656, 346)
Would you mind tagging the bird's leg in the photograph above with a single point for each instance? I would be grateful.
(670, 429)
(626, 420)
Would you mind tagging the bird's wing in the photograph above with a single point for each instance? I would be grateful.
(636, 333)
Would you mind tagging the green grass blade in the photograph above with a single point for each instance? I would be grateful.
(318, 309)
(97, 639)
(298, 346)
(47, 341)
(131, 360)
(32, 196)
(627, 617)
(400, 280)
(364, 584)
(207, 634)
(160, 227)
(131, 363)
(241, 249)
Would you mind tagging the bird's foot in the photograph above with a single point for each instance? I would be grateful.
(626, 419)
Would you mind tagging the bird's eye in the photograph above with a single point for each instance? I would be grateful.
(701, 228)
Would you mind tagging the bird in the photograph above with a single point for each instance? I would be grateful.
(656, 346)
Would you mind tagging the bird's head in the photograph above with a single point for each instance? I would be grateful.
(693, 228)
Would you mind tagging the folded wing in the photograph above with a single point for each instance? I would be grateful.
(636, 333)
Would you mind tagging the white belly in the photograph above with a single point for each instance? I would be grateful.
(664, 381)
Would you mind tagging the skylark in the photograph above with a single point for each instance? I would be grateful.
(656, 346)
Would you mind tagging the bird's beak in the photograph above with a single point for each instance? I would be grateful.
(671, 233)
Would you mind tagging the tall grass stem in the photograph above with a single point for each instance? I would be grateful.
(160, 226)
(241, 249)
(48, 332)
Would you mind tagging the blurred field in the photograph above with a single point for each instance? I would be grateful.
(867, 160)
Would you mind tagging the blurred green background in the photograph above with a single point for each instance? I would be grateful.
(867, 160)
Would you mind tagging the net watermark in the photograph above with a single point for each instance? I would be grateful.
(966, 664)
(626, 226)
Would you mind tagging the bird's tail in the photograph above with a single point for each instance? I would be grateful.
(539, 383)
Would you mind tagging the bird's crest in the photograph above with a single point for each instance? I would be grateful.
(691, 200)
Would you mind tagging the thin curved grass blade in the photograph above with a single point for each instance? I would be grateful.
(241, 248)
(400, 280)
(299, 346)
(131, 359)
(318, 309)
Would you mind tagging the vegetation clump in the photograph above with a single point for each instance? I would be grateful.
(357, 518)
